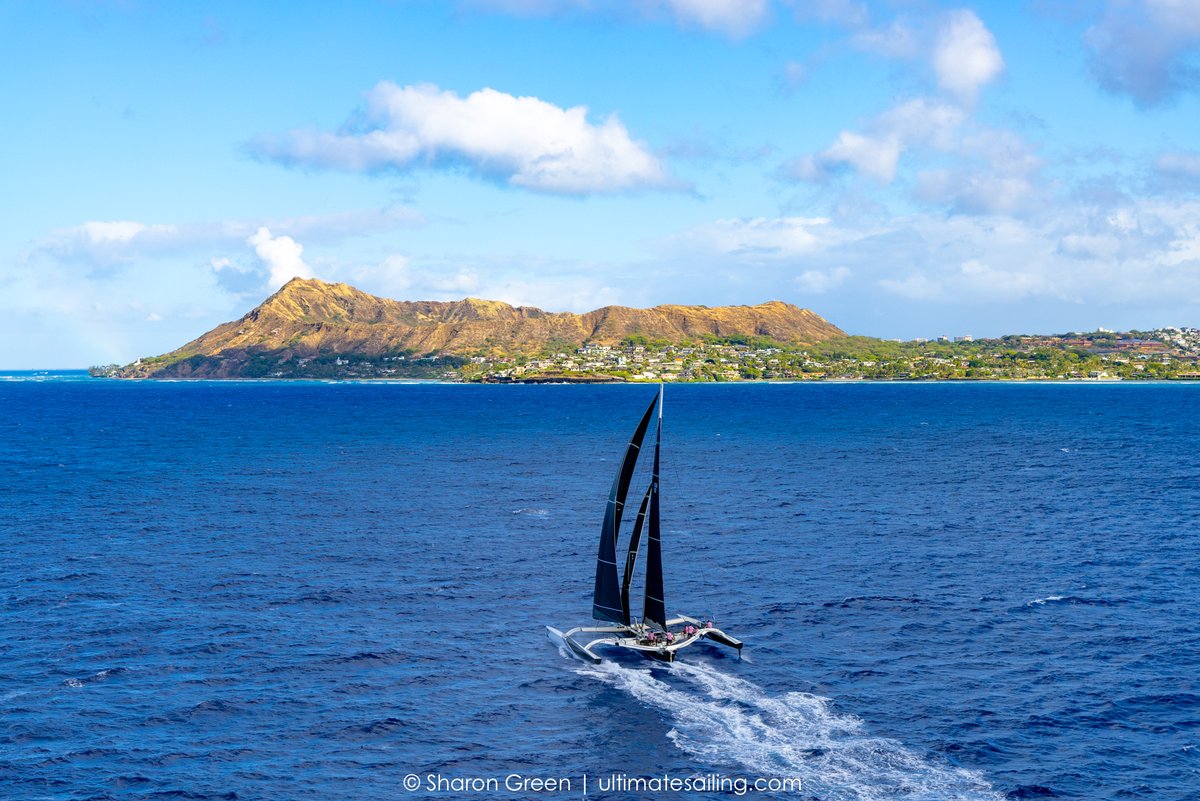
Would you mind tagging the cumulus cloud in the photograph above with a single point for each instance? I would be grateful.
(873, 156)
(281, 255)
(1146, 49)
(876, 154)
(957, 46)
(954, 161)
(965, 55)
(521, 141)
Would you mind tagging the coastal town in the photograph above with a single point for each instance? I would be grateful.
(1167, 353)
(1161, 354)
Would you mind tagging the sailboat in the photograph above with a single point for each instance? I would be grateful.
(653, 634)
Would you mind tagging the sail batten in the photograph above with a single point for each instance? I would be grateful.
(606, 598)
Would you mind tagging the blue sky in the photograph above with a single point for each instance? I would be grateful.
(903, 168)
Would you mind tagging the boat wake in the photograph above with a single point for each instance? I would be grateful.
(730, 721)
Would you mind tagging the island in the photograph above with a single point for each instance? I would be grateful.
(311, 329)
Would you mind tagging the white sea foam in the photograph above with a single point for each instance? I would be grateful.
(726, 720)
(532, 512)
(1046, 600)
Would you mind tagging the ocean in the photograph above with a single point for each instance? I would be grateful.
(223, 590)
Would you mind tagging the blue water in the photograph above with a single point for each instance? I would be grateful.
(310, 591)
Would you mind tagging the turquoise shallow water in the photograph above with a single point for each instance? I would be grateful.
(267, 591)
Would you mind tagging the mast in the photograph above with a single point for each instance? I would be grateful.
(655, 611)
(635, 541)
(606, 598)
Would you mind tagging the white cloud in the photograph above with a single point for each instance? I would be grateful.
(914, 287)
(111, 243)
(973, 281)
(875, 157)
(924, 121)
(1178, 170)
(897, 40)
(1006, 285)
(281, 255)
(106, 243)
(572, 292)
(970, 168)
(921, 122)
(821, 281)
(842, 12)
(957, 46)
(1089, 246)
(393, 273)
(736, 18)
(1184, 247)
(117, 231)
(1041, 272)
(759, 237)
(397, 277)
(983, 184)
(965, 56)
(523, 141)
(1146, 49)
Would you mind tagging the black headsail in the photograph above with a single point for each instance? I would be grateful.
(655, 613)
(635, 541)
(606, 600)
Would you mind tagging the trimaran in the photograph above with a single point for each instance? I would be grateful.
(653, 636)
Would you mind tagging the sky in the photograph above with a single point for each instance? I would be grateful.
(905, 168)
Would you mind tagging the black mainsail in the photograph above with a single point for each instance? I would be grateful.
(606, 599)
(655, 611)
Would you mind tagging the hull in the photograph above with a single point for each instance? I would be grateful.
(583, 642)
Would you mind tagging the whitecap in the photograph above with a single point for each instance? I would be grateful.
(532, 512)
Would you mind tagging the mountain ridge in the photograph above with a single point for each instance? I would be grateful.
(310, 318)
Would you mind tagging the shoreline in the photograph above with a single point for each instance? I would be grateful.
(42, 376)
